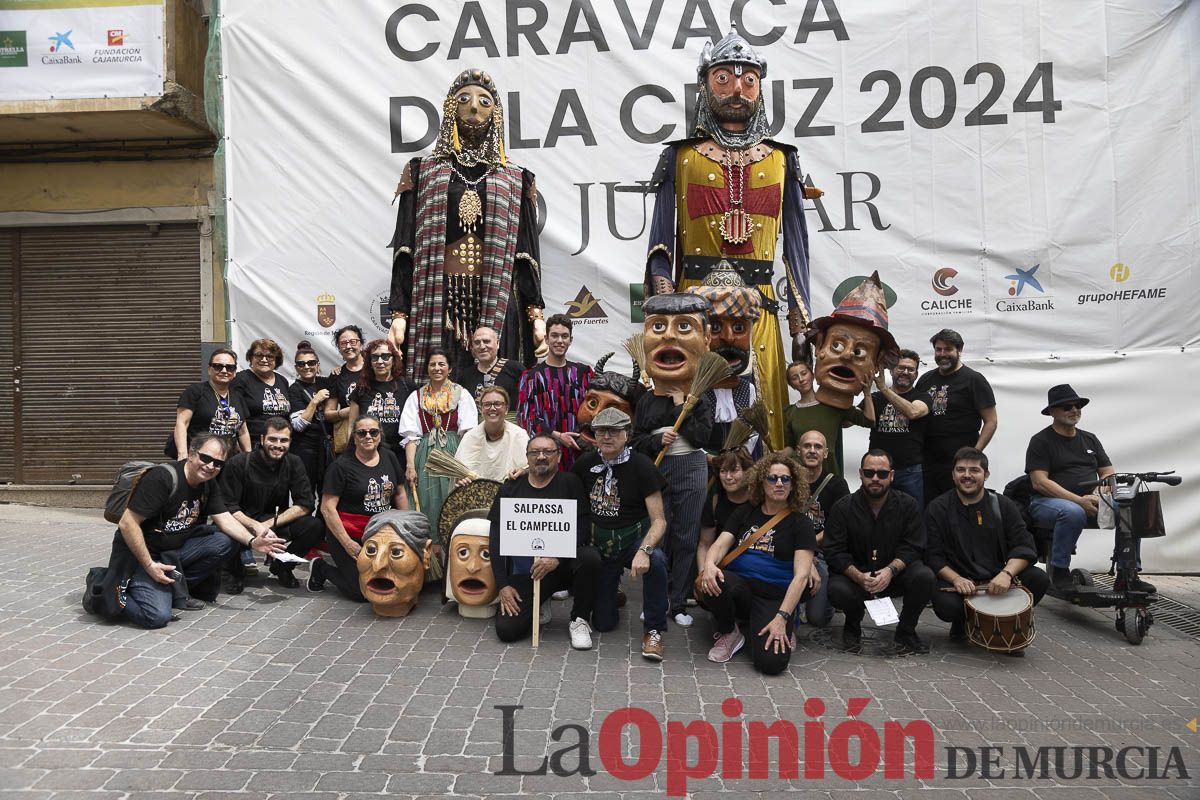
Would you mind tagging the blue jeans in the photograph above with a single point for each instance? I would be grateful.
(148, 603)
(911, 481)
(1066, 518)
(817, 608)
(654, 590)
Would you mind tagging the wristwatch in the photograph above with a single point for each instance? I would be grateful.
(895, 571)
(647, 549)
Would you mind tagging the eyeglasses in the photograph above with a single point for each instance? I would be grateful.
(368, 433)
(784, 479)
(381, 356)
(549, 453)
(494, 404)
(205, 458)
(875, 473)
(222, 367)
(1070, 407)
(607, 433)
(312, 362)
(350, 343)
(263, 356)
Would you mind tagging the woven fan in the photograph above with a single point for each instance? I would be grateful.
(711, 370)
(441, 464)
(636, 347)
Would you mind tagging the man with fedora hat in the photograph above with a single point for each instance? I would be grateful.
(1059, 459)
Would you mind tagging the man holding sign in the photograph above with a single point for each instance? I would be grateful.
(546, 488)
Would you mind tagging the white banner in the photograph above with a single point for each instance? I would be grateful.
(71, 49)
(1025, 173)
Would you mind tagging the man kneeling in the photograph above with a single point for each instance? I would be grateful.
(162, 543)
(515, 574)
(977, 538)
(771, 571)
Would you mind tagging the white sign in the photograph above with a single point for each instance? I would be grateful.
(60, 50)
(537, 527)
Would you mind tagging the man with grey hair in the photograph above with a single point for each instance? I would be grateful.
(489, 369)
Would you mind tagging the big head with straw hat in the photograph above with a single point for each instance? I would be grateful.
(852, 344)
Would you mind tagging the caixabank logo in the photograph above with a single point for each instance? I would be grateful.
(1026, 289)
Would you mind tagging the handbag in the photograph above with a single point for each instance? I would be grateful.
(747, 543)
(341, 436)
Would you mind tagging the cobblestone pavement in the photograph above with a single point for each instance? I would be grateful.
(280, 693)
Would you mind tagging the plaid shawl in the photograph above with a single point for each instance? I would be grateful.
(500, 224)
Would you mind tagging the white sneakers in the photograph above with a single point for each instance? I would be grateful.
(581, 634)
(547, 613)
(684, 619)
(561, 595)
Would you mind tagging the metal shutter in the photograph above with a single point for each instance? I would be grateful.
(110, 334)
(8, 239)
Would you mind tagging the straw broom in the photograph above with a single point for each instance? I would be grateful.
(711, 370)
(441, 464)
(750, 421)
(636, 347)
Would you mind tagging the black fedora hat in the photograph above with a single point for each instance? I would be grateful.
(1061, 395)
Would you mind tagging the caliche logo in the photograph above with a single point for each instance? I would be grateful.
(586, 308)
(1120, 272)
(1023, 278)
(326, 310)
(12, 49)
(116, 37)
(60, 40)
(943, 284)
(943, 281)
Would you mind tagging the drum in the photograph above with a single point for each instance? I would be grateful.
(1001, 623)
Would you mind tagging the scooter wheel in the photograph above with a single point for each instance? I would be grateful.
(1135, 629)
(1120, 622)
(1082, 577)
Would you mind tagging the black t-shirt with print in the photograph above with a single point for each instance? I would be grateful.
(262, 401)
(361, 489)
(210, 413)
(386, 401)
(635, 480)
(171, 517)
(760, 562)
(344, 384)
(819, 506)
(717, 509)
(896, 434)
(956, 400)
(1069, 461)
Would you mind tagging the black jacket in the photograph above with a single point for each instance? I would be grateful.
(259, 489)
(853, 535)
(659, 411)
(976, 548)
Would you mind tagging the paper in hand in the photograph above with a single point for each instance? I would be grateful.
(882, 611)
(289, 558)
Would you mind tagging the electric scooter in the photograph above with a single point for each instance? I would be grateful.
(1124, 487)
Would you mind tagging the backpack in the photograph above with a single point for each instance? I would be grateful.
(1020, 491)
(129, 475)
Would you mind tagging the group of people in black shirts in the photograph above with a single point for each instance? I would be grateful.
(780, 541)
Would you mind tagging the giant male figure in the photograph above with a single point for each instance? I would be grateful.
(727, 193)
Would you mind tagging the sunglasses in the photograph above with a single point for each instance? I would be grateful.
(312, 362)
(381, 356)
(784, 479)
(368, 433)
(541, 452)
(875, 473)
(205, 458)
(222, 367)
(1070, 407)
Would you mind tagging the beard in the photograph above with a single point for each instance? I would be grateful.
(722, 108)
(473, 135)
(737, 358)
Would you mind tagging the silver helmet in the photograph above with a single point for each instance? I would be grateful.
(733, 49)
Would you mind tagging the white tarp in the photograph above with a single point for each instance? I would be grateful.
(1024, 172)
(72, 49)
